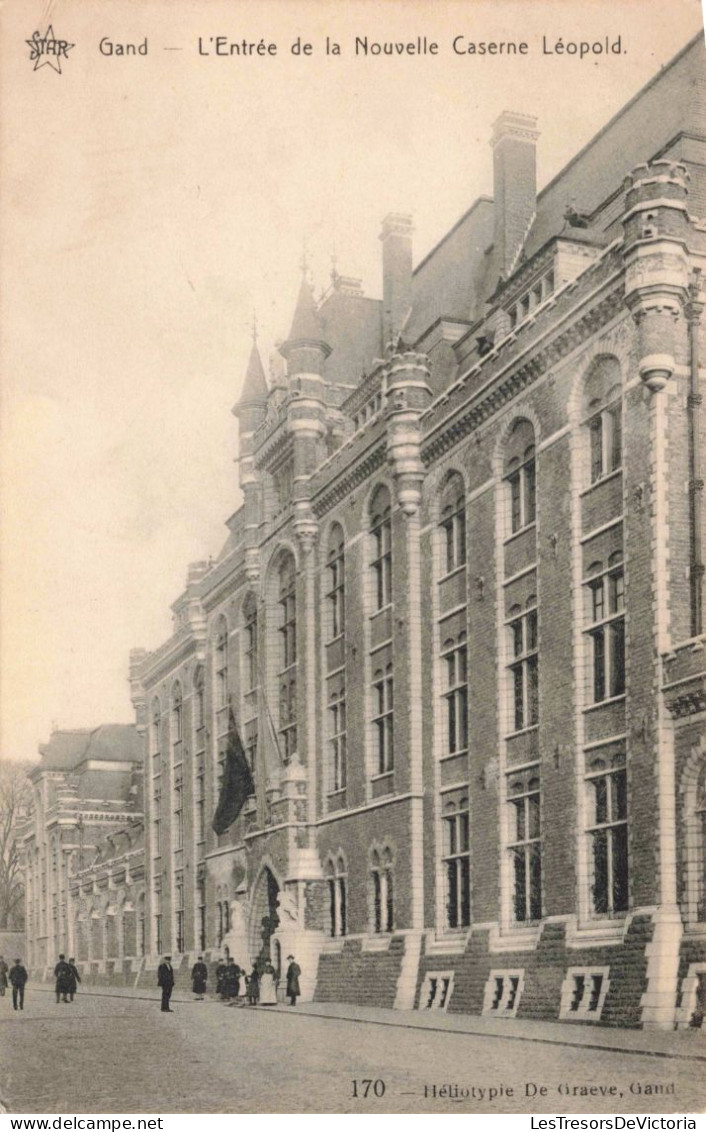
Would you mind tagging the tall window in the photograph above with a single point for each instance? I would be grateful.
(382, 892)
(337, 740)
(199, 709)
(178, 833)
(157, 821)
(602, 416)
(606, 591)
(179, 911)
(455, 661)
(201, 915)
(383, 719)
(287, 676)
(523, 667)
(177, 718)
(199, 806)
(221, 666)
(335, 595)
(457, 865)
(155, 735)
(520, 476)
(606, 442)
(381, 534)
(157, 905)
(608, 834)
(525, 844)
(250, 644)
(453, 523)
(336, 883)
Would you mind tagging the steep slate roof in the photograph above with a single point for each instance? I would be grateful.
(111, 742)
(255, 383)
(305, 324)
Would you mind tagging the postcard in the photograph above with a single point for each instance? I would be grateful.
(353, 560)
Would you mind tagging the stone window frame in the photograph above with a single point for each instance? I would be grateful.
(524, 843)
(611, 768)
(456, 855)
(604, 628)
(453, 524)
(429, 999)
(522, 634)
(382, 891)
(336, 875)
(579, 1000)
(503, 992)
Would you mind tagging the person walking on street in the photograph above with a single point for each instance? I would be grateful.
(18, 978)
(293, 973)
(165, 980)
(62, 974)
(75, 979)
(199, 977)
(3, 975)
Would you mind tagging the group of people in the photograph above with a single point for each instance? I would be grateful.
(260, 986)
(16, 977)
(67, 979)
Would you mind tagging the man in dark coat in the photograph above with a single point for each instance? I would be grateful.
(165, 980)
(199, 977)
(221, 979)
(18, 978)
(232, 979)
(293, 973)
(62, 974)
(75, 979)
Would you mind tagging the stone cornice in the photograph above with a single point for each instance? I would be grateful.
(357, 472)
(493, 397)
(232, 579)
(168, 656)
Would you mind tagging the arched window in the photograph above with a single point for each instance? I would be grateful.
(287, 675)
(335, 592)
(250, 653)
(602, 415)
(382, 891)
(453, 523)
(336, 883)
(381, 537)
(520, 475)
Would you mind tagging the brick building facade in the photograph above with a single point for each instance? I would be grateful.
(83, 854)
(458, 614)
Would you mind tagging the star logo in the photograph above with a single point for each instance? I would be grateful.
(46, 50)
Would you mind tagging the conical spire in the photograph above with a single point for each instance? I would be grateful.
(255, 384)
(305, 324)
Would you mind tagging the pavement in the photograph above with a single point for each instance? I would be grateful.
(112, 1051)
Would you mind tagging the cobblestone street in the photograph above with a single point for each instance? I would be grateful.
(118, 1054)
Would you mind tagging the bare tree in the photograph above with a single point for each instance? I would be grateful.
(15, 798)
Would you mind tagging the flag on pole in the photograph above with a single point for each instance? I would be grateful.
(237, 784)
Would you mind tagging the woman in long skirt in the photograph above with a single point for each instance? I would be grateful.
(268, 986)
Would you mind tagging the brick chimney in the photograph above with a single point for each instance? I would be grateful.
(396, 237)
(514, 183)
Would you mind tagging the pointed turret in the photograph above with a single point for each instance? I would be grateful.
(254, 390)
(305, 349)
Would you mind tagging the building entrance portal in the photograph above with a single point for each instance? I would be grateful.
(264, 918)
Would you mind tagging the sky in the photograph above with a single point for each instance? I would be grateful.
(152, 202)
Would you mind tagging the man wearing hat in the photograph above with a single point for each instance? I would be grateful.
(165, 980)
(18, 978)
(293, 973)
